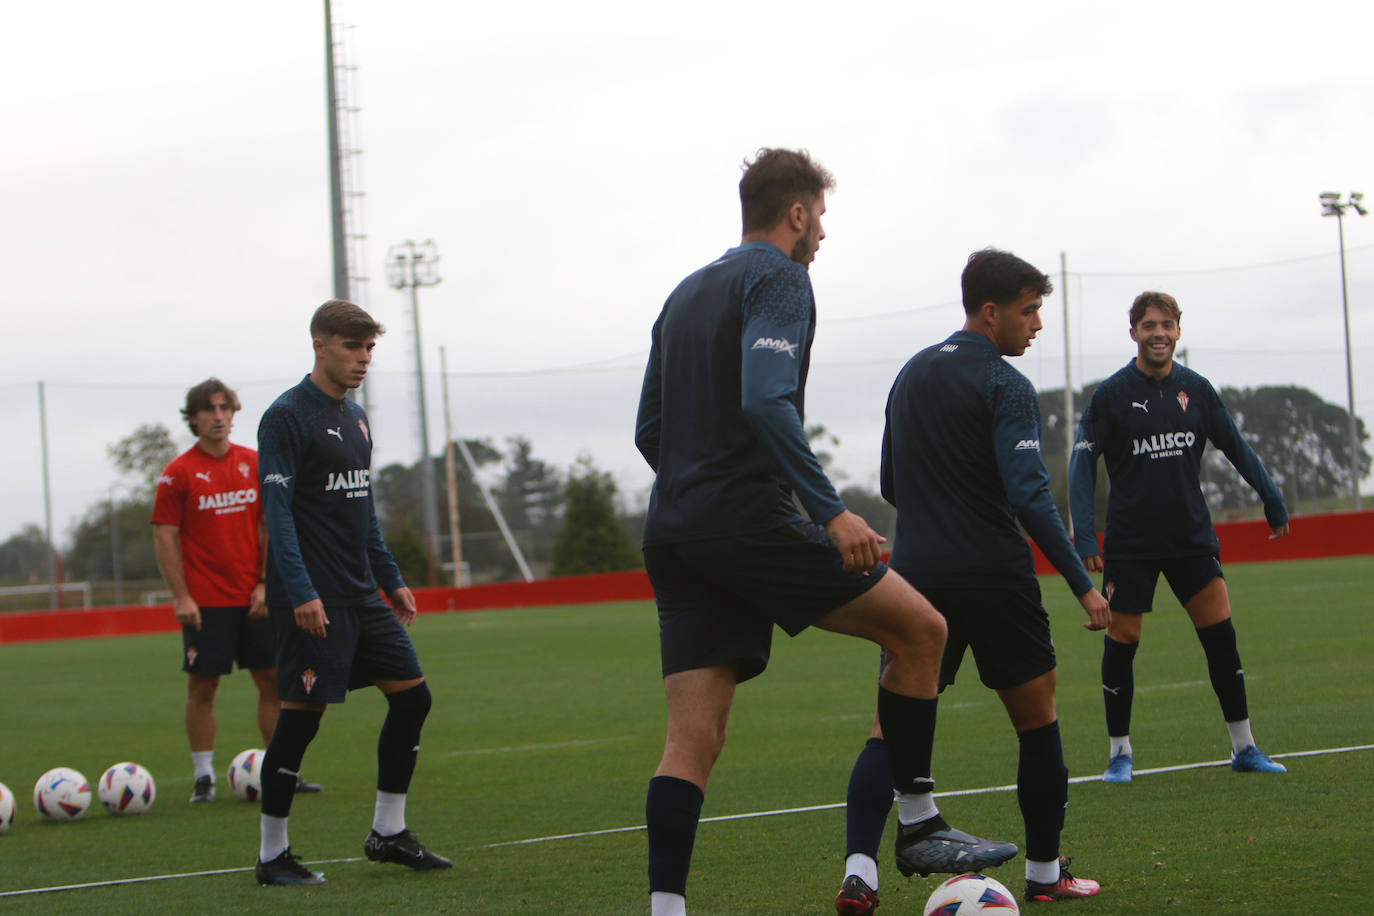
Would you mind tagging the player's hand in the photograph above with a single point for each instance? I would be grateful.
(257, 602)
(310, 617)
(1279, 532)
(1099, 612)
(860, 546)
(1093, 564)
(187, 612)
(403, 603)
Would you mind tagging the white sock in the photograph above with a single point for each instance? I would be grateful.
(389, 817)
(662, 903)
(912, 808)
(203, 762)
(1042, 872)
(1120, 746)
(864, 867)
(1240, 735)
(274, 842)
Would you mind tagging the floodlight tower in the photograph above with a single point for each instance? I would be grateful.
(411, 266)
(348, 240)
(1332, 205)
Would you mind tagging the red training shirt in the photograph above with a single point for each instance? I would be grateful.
(214, 502)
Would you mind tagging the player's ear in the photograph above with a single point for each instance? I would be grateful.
(988, 312)
(797, 216)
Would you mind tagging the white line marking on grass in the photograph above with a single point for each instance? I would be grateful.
(704, 820)
(980, 791)
(1249, 679)
(532, 747)
(185, 874)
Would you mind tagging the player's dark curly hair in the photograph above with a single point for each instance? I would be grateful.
(992, 275)
(338, 316)
(774, 181)
(198, 399)
(1162, 301)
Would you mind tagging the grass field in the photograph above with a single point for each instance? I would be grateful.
(548, 722)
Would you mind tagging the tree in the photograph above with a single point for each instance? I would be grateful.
(113, 540)
(141, 456)
(399, 504)
(24, 556)
(1303, 441)
(592, 538)
(530, 498)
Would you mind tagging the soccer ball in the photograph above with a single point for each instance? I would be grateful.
(245, 774)
(6, 808)
(62, 794)
(126, 788)
(966, 894)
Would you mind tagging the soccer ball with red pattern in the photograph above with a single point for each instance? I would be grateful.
(6, 808)
(245, 774)
(126, 788)
(966, 894)
(62, 794)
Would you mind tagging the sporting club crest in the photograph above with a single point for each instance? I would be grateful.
(1183, 399)
(308, 679)
(363, 427)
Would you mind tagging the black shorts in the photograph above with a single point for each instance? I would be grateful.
(1128, 583)
(1007, 628)
(718, 599)
(226, 636)
(361, 645)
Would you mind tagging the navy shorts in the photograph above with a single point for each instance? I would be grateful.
(1129, 582)
(1007, 628)
(718, 599)
(226, 636)
(361, 645)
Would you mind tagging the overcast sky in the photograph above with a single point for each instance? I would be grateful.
(165, 199)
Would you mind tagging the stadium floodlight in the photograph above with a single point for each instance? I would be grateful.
(411, 266)
(1332, 205)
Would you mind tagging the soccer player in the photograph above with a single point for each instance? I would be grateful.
(1150, 421)
(208, 539)
(961, 462)
(326, 559)
(727, 551)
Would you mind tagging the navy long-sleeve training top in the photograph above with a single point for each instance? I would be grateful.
(721, 409)
(961, 462)
(1152, 433)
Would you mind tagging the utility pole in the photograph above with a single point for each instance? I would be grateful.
(450, 478)
(411, 266)
(1332, 205)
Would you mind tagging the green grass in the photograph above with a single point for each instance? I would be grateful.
(550, 721)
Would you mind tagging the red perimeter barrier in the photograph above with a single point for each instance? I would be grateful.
(1333, 534)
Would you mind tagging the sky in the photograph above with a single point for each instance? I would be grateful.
(166, 210)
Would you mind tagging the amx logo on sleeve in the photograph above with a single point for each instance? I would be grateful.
(278, 479)
(777, 345)
(1032, 445)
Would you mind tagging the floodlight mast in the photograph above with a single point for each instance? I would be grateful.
(411, 266)
(1332, 205)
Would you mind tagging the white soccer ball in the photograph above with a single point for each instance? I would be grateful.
(245, 774)
(965, 894)
(62, 794)
(6, 808)
(126, 788)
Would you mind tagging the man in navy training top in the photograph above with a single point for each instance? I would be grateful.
(727, 551)
(325, 561)
(1150, 422)
(961, 462)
